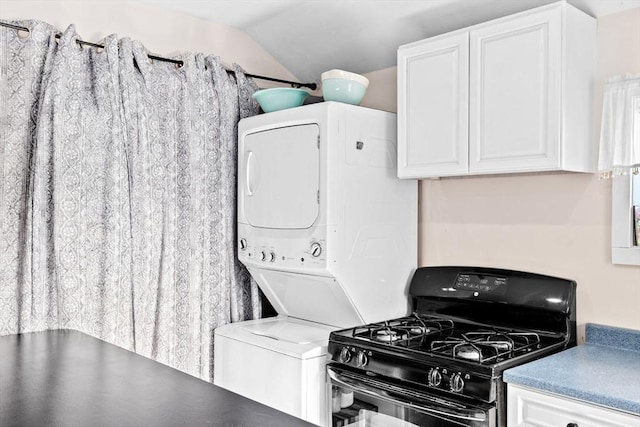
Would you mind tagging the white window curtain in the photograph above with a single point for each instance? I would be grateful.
(620, 132)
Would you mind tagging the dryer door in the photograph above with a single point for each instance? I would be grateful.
(280, 178)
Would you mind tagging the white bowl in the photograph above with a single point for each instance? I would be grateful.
(344, 86)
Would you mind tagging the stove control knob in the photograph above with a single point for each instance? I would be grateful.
(435, 377)
(263, 256)
(456, 383)
(362, 359)
(345, 355)
(316, 249)
(243, 244)
(272, 257)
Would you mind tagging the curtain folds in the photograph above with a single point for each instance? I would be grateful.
(117, 195)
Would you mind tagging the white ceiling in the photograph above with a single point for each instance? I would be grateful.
(311, 36)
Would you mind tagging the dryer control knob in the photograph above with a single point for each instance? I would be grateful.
(316, 249)
(263, 256)
(243, 244)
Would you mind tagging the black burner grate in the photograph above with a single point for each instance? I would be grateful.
(486, 346)
(405, 331)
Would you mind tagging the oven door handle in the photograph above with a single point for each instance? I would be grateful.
(363, 385)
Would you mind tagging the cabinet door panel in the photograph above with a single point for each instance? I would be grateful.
(528, 408)
(433, 108)
(515, 77)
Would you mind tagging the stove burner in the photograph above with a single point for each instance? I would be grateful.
(498, 341)
(500, 345)
(417, 330)
(503, 341)
(389, 335)
(467, 352)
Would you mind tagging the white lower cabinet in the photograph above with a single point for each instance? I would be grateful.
(530, 408)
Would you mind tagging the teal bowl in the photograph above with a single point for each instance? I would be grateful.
(343, 86)
(279, 98)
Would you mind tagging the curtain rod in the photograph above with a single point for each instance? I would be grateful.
(178, 62)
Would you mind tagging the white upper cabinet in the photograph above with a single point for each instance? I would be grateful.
(510, 95)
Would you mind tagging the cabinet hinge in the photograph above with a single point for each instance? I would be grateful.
(318, 142)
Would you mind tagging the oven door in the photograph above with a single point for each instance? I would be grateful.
(362, 400)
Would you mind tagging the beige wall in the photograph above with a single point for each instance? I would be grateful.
(163, 32)
(556, 224)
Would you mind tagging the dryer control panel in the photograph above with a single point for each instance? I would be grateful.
(282, 253)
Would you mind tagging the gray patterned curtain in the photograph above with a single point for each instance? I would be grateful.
(117, 195)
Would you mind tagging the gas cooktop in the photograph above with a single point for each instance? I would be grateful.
(431, 336)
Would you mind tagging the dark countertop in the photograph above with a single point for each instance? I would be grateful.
(67, 378)
(604, 371)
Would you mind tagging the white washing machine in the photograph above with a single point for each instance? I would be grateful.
(329, 233)
(278, 361)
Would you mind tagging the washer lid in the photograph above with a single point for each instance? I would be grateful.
(290, 332)
(285, 335)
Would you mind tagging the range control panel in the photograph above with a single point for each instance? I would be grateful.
(429, 375)
(477, 282)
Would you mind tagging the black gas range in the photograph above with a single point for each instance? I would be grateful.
(443, 364)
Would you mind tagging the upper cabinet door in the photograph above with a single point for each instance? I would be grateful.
(515, 80)
(433, 90)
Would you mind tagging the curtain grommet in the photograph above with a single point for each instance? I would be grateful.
(24, 34)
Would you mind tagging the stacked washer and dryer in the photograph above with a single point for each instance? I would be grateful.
(329, 233)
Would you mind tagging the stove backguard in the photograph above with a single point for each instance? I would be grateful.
(496, 297)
